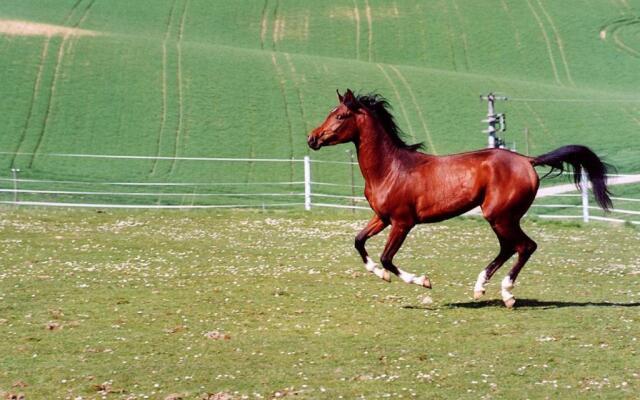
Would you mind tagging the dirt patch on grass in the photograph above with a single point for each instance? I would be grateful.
(25, 28)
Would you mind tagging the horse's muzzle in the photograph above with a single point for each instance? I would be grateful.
(313, 142)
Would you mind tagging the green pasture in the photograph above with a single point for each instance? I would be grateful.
(256, 305)
(196, 78)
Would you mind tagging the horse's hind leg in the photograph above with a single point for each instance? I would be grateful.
(525, 247)
(396, 238)
(506, 251)
(504, 214)
(512, 240)
(375, 226)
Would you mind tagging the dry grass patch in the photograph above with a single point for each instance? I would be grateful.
(26, 28)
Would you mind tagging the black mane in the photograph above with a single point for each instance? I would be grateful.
(380, 107)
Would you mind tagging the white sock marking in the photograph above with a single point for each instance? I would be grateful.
(379, 272)
(407, 277)
(507, 285)
(370, 265)
(419, 280)
(482, 279)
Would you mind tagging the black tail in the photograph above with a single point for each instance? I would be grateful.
(579, 157)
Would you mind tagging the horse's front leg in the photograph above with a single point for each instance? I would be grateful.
(398, 233)
(375, 226)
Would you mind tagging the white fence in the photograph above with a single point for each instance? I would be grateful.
(36, 191)
(308, 192)
(621, 211)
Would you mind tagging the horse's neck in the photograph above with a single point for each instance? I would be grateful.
(376, 153)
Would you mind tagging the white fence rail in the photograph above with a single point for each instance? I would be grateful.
(307, 193)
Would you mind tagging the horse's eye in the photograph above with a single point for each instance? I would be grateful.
(341, 116)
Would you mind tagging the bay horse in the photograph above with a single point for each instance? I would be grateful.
(405, 187)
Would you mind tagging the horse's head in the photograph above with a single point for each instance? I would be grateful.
(340, 125)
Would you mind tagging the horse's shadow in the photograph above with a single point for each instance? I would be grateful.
(543, 304)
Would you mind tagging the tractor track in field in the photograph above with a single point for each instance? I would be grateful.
(463, 36)
(281, 84)
(264, 24)
(77, 25)
(356, 17)
(172, 41)
(278, 32)
(624, 4)
(539, 120)
(56, 74)
(432, 147)
(179, 133)
(296, 84)
(163, 114)
(52, 92)
(549, 137)
(402, 107)
(450, 39)
(552, 60)
(367, 11)
(276, 27)
(71, 11)
(37, 83)
(615, 27)
(559, 43)
(631, 116)
(622, 45)
(34, 96)
(514, 27)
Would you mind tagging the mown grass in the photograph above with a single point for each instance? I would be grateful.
(116, 305)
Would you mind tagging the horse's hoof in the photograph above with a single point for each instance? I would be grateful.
(386, 276)
(510, 302)
(478, 294)
(426, 283)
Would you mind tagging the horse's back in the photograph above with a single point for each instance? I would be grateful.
(457, 183)
(494, 166)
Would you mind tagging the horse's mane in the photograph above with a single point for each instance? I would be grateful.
(380, 107)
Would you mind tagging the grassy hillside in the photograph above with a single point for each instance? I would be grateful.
(195, 78)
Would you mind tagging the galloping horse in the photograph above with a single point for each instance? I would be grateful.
(405, 187)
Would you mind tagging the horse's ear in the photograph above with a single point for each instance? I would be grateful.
(340, 97)
(351, 101)
(349, 94)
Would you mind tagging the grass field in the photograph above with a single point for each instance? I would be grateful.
(250, 304)
(263, 305)
(193, 78)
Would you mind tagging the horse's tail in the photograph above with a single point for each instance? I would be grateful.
(579, 157)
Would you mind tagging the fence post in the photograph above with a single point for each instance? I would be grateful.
(307, 183)
(14, 172)
(584, 186)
